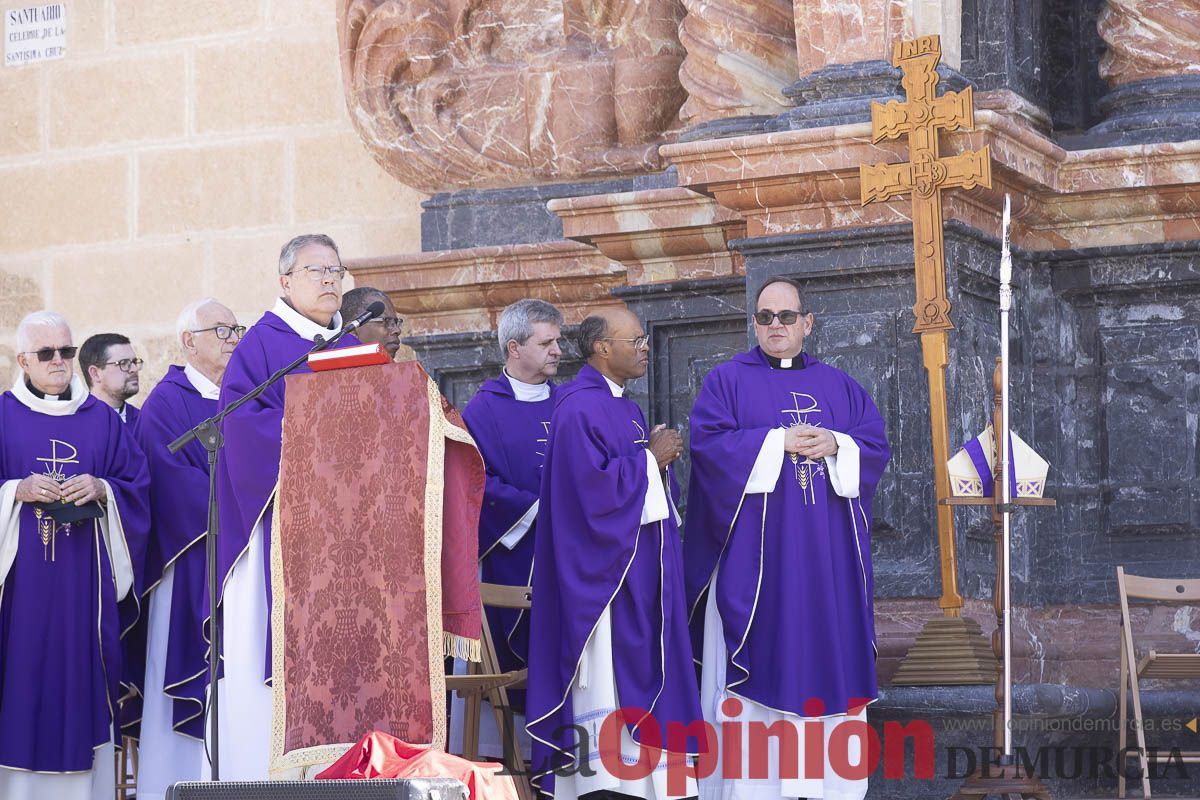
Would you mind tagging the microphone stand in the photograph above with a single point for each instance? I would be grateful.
(209, 434)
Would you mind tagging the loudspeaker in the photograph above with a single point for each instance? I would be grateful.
(375, 789)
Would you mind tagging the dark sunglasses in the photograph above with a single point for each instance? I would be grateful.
(47, 353)
(789, 317)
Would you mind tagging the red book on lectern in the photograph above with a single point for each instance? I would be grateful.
(361, 355)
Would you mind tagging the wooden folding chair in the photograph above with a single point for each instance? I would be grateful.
(487, 681)
(126, 768)
(1153, 665)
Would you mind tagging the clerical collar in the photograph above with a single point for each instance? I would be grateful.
(786, 363)
(617, 390)
(121, 412)
(54, 408)
(39, 394)
(302, 325)
(200, 382)
(528, 392)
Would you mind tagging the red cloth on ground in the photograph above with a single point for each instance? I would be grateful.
(378, 755)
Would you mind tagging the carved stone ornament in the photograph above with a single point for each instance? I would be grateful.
(1149, 39)
(449, 94)
(740, 55)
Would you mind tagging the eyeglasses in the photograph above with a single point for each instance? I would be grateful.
(388, 323)
(766, 316)
(638, 342)
(316, 271)
(125, 364)
(225, 331)
(47, 353)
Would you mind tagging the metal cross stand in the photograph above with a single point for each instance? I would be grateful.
(1007, 777)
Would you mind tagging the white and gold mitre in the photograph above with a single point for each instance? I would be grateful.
(973, 467)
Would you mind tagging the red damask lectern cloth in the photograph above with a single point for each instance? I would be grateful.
(374, 574)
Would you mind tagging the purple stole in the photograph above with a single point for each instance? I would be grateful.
(592, 552)
(248, 468)
(61, 623)
(793, 567)
(179, 518)
(511, 436)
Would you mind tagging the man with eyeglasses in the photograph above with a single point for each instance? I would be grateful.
(786, 454)
(73, 529)
(172, 645)
(111, 370)
(509, 418)
(310, 277)
(385, 329)
(609, 626)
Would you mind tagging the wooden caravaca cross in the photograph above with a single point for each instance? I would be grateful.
(925, 175)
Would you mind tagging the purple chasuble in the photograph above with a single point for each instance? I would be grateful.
(592, 552)
(132, 413)
(61, 623)
(248, 467)
(512, 436)
(793, 566)
(179, 519)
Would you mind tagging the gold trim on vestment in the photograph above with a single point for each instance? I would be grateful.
(440, 643)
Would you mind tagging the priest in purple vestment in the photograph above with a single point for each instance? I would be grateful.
(509, 418)
(171, 742)
(310, 275)
(608, 628)
(73, 529)
(786, 454)
(112, 370)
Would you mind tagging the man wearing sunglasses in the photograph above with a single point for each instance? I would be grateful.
(111, 370)
(786, 454)
(173, 645)
(310, 280)
(73, 529)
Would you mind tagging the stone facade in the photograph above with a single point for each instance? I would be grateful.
(169, 155)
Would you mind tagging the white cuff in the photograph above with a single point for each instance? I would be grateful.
(518, 531)
(10, 526)
(765, 474)
(671, 499)
(655, 508)
(843, 467)
(114, 540)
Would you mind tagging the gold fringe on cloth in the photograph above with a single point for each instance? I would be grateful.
(455, 646)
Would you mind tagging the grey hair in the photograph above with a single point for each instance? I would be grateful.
(189, 318)
(516, 321)
(591, 330)
(287, 255)
(38, 319)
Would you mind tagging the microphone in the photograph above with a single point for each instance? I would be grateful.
(374, 310)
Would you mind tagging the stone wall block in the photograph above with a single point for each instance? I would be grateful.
(132, 98)
(219, 186)
(67, 202)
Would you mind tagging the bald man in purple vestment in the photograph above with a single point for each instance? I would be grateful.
(73, 529)
(310, 276)
(786, 454)
(509, 418)
(171, 742)
(608, 628)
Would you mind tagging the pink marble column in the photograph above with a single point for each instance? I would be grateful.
(740, 55)
(1153, 66)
